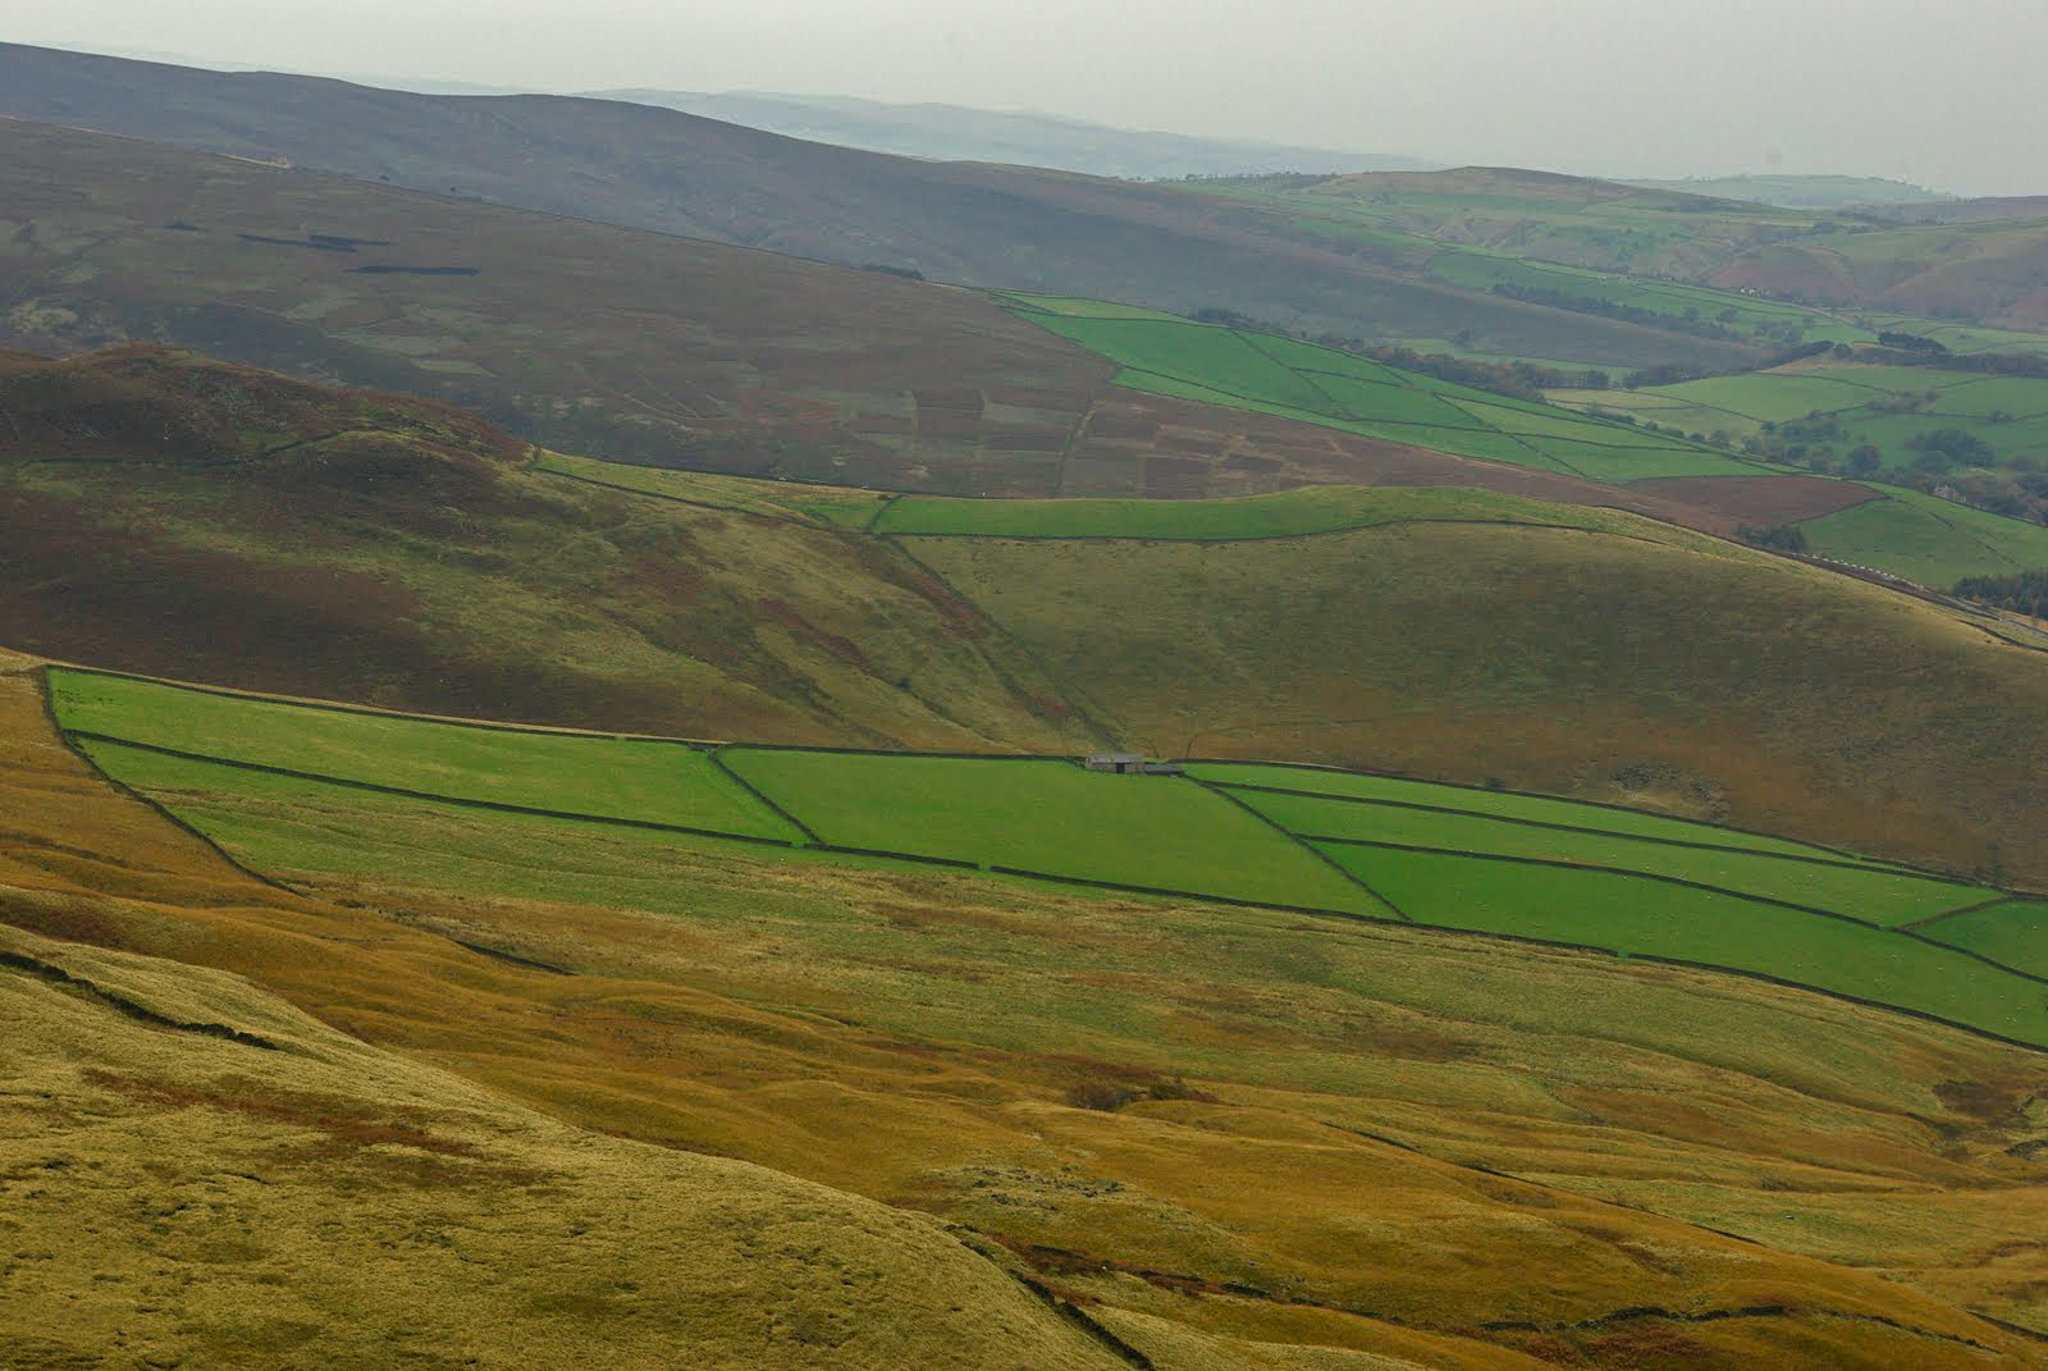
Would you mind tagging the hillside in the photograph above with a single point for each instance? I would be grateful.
(642, 167)
(1808, 192)
(337, 545)
(1685, 260)
(1081, 1090)
(1019, 138)
(627, 345)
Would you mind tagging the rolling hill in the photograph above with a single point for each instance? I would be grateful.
(183, 518)
(953, 133)
(1081, 1090)
(642, 167)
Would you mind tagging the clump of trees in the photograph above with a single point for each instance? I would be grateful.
(2025, 593)
(1911, 342)
(1944, 449)
(1775, 537)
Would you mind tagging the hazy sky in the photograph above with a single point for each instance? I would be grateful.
(1942, 92)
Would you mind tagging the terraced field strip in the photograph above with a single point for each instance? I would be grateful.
(1867, 894)
(294, 826)
(1272, 375)
(1635, 917)
(1051, 818)
(642, 780)
(1505, 804)
(1288, 514)
(2013, 932)
(297, 787)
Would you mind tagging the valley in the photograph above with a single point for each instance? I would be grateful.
(635, 741)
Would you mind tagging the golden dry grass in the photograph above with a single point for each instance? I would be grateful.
(1452, 1152)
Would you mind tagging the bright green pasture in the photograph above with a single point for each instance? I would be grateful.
(2023, 397)
(2014, 933)
(1774, 396)
(648, 780)
(1048, 817)
(1287, 377)
(1630, 915)
(1319, 509)
(1928, 540)
(1875, 896)
(1218, 358)
(1503, 804)
(286, 825)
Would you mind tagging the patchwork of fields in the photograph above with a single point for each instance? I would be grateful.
(297, 789)
(1268, 374)
(1884, 406)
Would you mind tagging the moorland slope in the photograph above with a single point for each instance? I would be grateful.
(334, 544)
(969, 223)
(1086, 1090)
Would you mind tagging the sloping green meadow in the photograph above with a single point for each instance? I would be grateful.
(291, 787)
(1291, 513)
(1932, 541)
(1287, 377)
(2015, 933)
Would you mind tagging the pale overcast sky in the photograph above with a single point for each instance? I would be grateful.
(1947, 93)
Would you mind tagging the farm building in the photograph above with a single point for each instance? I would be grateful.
(1130, 764)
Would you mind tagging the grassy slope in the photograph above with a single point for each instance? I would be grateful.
(913, 1038)
(1929, 540)
(1281, 376)
(417, 563)
(1055, 819)
(1678, 254)
(256, 1208)
(655, 781)
(1286, 515)
(420, 564)
(2015, 933)
(1716, 681)
(1870, 894)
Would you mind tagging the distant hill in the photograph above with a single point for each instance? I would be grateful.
(960, 133)
(1984, 210)
(1804, 192)
(1010, 227)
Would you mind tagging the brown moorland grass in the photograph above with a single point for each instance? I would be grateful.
(1381, 1136)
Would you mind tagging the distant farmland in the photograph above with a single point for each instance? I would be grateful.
(1267, 374)
(295, 790)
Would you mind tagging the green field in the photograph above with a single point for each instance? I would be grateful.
(1048, 817)
(1635, 917)
(1530, 866)
(1496, 803)
(1868, 404)
(1866, 893)
(1318, 509)
(1928, 540)
(650, 781)
(1685, 304)
(2015, 933)
(1292, 379)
